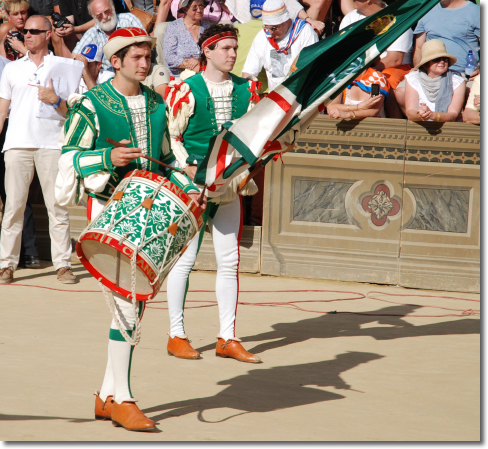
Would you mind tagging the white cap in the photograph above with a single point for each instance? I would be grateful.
(274, 12)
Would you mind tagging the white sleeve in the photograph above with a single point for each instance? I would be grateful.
(348, 19)
(178, 114)
(255, 60)
(309, 36)
(293, 8)
(404, 43)
(5, 86)
(66, 187)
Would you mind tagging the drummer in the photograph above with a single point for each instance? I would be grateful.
(121, 109)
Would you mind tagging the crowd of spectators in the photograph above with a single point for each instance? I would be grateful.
(422, 76)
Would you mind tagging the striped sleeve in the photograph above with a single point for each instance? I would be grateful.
(80, 132)
(183, 182)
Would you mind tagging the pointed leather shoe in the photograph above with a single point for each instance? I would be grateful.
(234, 349)
(181, 348)
(129, 416)
(103, 410)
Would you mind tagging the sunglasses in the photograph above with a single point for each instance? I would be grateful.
(33, 32)
(196, 8)
(272, 28)
(443, 58)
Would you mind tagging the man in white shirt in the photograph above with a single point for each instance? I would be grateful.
(395, 62)
(31, 143)
(278, 45)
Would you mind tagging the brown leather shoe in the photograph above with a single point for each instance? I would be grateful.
(103, 410)
(181, 348)
(234, 349)
(128, 416)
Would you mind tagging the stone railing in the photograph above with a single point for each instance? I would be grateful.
(378, 200)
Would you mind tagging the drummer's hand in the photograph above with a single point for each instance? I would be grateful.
(190, 170)
(121, 156)
(195, 196)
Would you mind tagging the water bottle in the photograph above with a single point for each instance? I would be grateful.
(470, 63)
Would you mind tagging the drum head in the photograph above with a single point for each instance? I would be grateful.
(103, 258)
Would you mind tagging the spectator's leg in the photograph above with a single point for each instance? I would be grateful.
(19, 171)
(29, 247)
(2, 163)
(46, 161)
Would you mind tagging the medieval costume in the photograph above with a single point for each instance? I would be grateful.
(85, 165)
(197, 109)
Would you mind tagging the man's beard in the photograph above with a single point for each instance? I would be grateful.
(109, 24)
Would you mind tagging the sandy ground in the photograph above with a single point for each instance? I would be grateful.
(368, 375)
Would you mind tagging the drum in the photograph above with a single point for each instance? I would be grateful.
(139, 235)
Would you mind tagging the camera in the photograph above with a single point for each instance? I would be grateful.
(59, 20)
(9, 51)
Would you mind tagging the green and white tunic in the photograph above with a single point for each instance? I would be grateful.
(197, 109)
(85, 163)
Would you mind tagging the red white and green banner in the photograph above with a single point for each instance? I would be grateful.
(320, 73)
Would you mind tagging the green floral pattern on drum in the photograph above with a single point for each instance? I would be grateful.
(133, 222)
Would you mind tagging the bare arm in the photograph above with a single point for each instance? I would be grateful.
(80, 29)
(4, 105)
(392, 59)
(4, 29)
(420, 40)
(163, 10)
(316, 24)
(347, 6)
(367, 108)
(471, 116)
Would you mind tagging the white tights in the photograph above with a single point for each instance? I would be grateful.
(226, 229)
(116, 382)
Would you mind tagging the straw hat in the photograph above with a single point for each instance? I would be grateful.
(433, 49)
(126, 36)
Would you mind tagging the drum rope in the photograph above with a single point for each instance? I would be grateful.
(177, 222)
(143, 234)
(109, 299)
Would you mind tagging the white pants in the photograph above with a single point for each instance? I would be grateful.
(226, 228)
(116, 382)
(20, 164)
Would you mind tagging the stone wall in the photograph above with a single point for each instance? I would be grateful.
(378, 200)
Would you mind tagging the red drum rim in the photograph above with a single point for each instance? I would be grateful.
(173, 188)
(127, 252)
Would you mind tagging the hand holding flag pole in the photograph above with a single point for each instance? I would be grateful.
(258, 167)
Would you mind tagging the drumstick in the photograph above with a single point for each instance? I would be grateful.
(200, 198)
(149, 158)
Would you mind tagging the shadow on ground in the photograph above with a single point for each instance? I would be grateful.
(267, 390)
(330, 325)
(4, 417)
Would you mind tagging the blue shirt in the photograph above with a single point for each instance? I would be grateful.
(98, 37)
(458, 28)
(178, 45)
